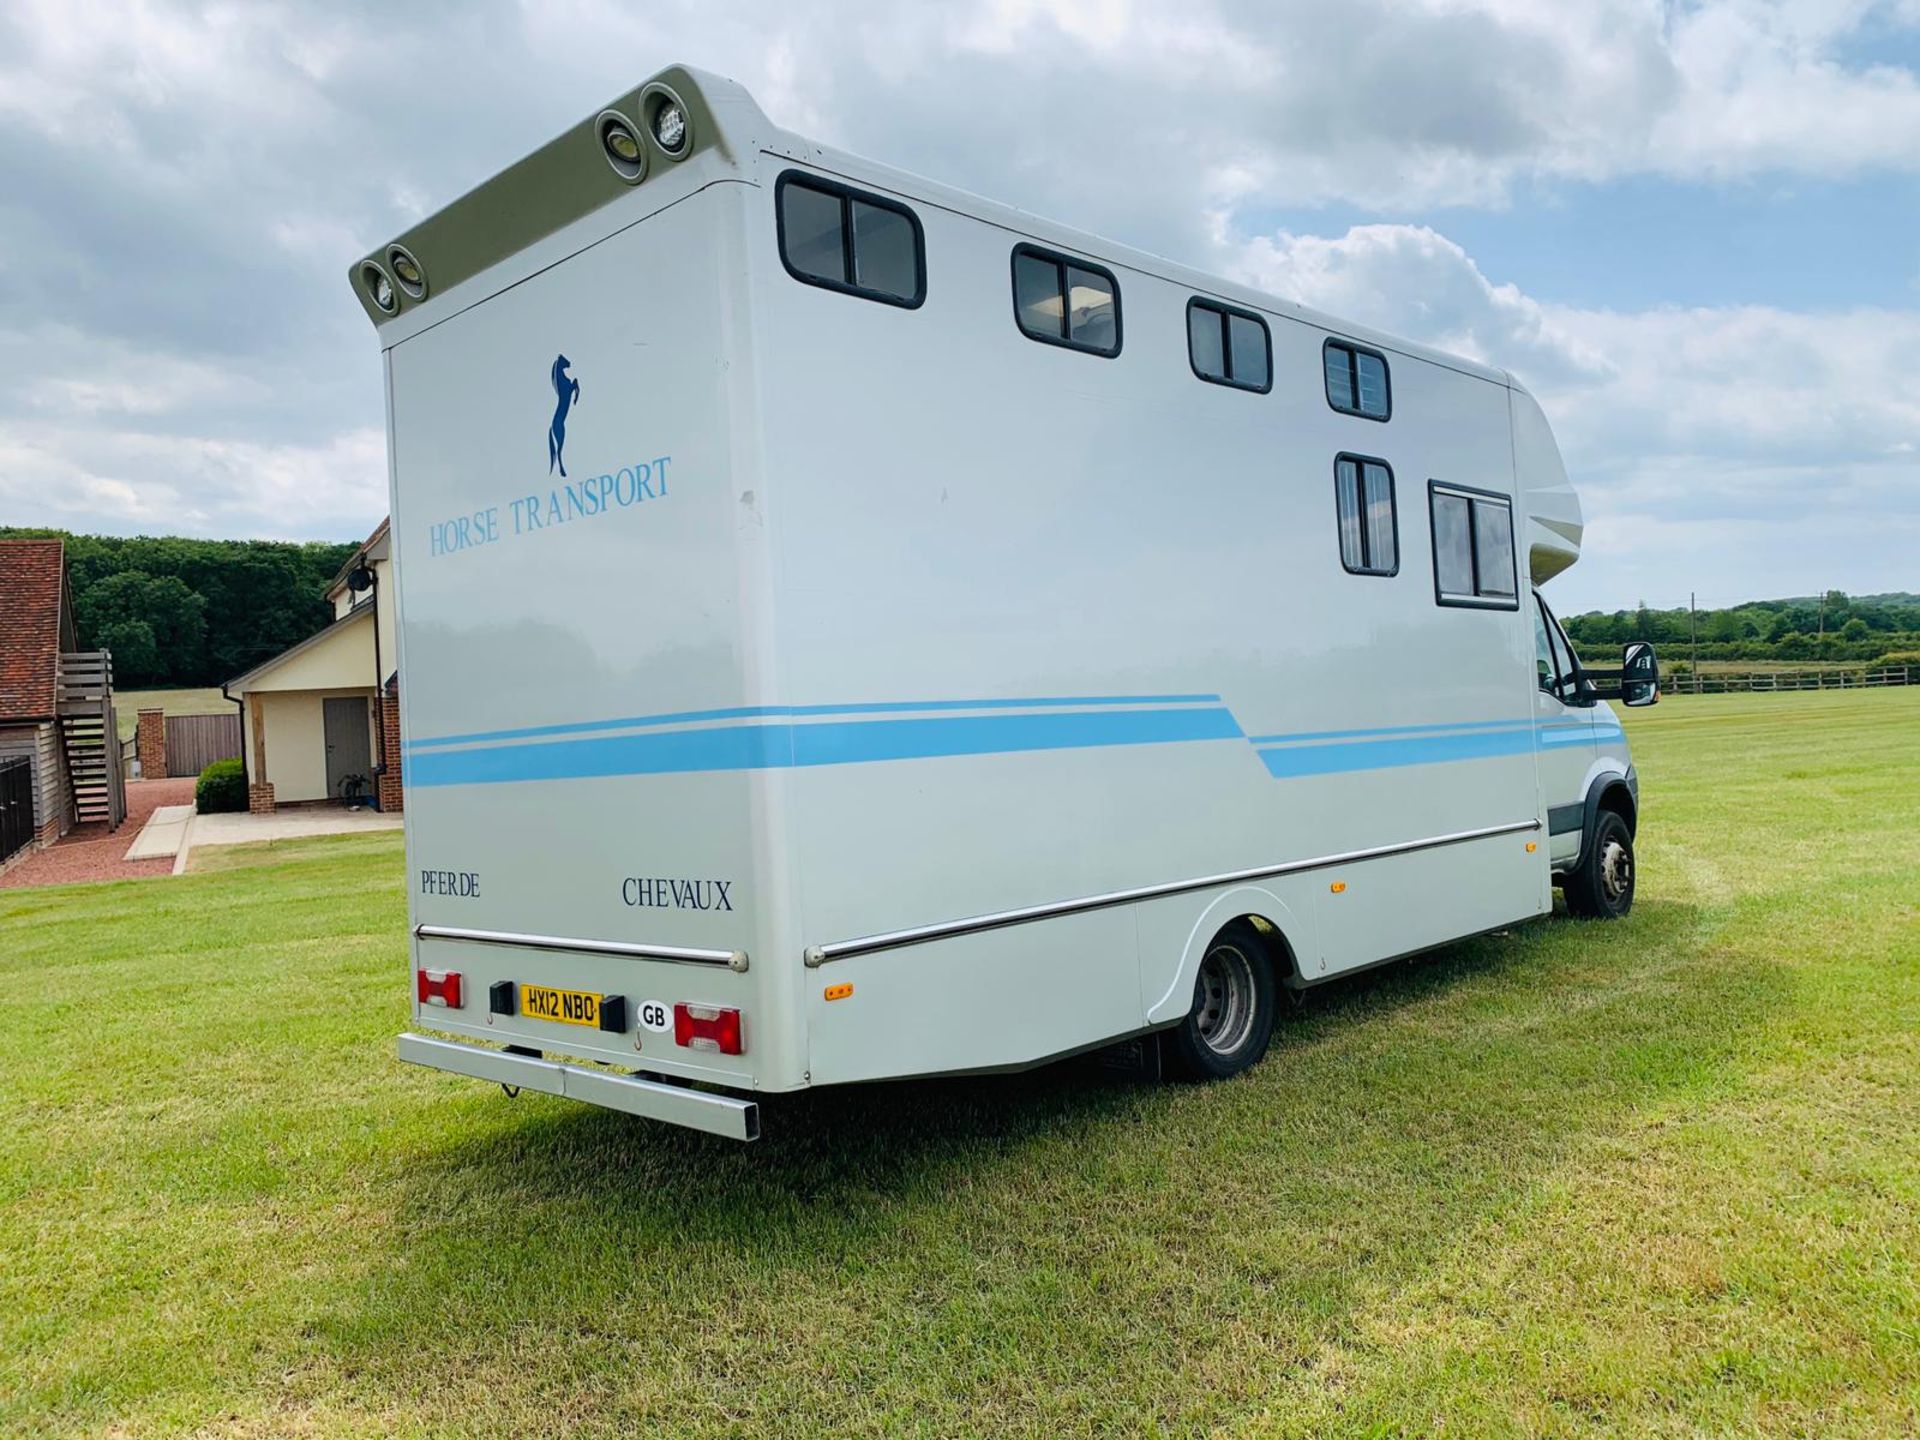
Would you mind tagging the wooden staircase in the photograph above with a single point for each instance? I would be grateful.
(89, 736)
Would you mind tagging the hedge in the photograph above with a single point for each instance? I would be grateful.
(222, 786)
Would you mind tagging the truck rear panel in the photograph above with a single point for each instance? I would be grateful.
(570, 590)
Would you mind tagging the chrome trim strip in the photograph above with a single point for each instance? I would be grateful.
(679, 954)
(676, 1105)
(818, 955)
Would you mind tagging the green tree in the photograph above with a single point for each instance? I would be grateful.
(259, 597)
(155, 626)
(136, 653)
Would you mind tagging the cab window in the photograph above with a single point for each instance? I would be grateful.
(1544, 673)
(1563, 660)
(1558, 673)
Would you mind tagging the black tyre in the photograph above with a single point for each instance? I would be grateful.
(1600, 887)
(1233, 1009)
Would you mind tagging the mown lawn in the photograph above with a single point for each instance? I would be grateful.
(1661, 1177)
(127, 705)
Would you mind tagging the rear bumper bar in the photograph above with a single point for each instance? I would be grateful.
(695, 1109)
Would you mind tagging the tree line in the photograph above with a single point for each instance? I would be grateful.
(177, 612)
(1834, 626)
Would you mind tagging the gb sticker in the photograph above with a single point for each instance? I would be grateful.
(655, 1016)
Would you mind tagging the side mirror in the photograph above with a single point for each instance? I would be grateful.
(1639, 674)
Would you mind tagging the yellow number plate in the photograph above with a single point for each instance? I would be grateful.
(569, 1007)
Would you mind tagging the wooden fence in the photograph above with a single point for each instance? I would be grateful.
(196, 741)
(1763, 681)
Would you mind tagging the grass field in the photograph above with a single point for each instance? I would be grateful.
(127, 704)
(1660, 1177)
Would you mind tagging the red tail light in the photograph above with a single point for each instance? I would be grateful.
(438, 987)
(707, 1027)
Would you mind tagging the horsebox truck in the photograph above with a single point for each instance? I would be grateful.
(852, 630)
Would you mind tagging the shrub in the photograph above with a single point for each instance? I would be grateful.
(222, 786)
(1899, 657)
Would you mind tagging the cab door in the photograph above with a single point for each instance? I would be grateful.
(1562, 734)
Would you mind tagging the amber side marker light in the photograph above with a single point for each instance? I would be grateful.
(839, 992)
(1531, 847)
(1338, 887)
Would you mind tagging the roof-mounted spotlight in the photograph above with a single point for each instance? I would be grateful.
(621, 142)
(668, 120)
(408, 271)
(379, 287)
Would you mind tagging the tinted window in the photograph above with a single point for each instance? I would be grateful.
(1493, 547)
(845, 240)
(1453, 544)
(1247, 336)
(1228, 347)
(886, 256)
(1339, 365)
(1065, 302)
(1036, 296)
(1370, 373)
(1364, 504)
(814, 242)
(1091, 310)
(1357, 381)
(1206, 343)
(1473, 552)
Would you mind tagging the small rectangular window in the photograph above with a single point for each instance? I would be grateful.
(1206, 343)
(886, 253)
(1357, 382)
(1493, 548)
(1064, 301)
(1369, 526)
(1473, 550)
(1229, 347)
(847, 240)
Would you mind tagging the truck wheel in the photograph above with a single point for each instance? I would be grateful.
(1601, 886)
(1233, 1009)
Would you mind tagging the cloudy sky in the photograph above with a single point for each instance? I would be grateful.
(1692, 228)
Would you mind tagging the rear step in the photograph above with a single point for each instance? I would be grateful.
(695, 1109)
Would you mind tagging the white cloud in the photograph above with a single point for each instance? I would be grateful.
(1716, 442)
(187, 184)
(129, 480)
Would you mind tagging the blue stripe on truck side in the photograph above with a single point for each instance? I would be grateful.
(783, 743)
(1289, 761)
(829, 742)
(760, 712)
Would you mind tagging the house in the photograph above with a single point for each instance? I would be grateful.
(320, 722)
(59, 753)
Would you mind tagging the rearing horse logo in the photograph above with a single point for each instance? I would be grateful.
(566, 392)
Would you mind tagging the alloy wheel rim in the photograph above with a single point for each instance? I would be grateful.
(1224, 1015)
(1616, 870)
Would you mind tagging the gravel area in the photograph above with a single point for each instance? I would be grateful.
(90, 852)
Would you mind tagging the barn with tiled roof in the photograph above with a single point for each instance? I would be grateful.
(54, 702)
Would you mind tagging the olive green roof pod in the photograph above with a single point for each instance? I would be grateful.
(567, 178)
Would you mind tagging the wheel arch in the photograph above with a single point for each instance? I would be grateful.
(1607, 791)
(1276, 923)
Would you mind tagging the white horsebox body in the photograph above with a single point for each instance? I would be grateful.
(807, 677)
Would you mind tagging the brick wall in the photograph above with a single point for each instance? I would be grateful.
(150, 744)
(392, 793)
(260, 799)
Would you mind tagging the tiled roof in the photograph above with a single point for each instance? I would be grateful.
(31, 575)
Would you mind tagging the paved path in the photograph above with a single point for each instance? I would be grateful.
(92, 852)
(162, 830)
(160, 839)
(281, 825)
